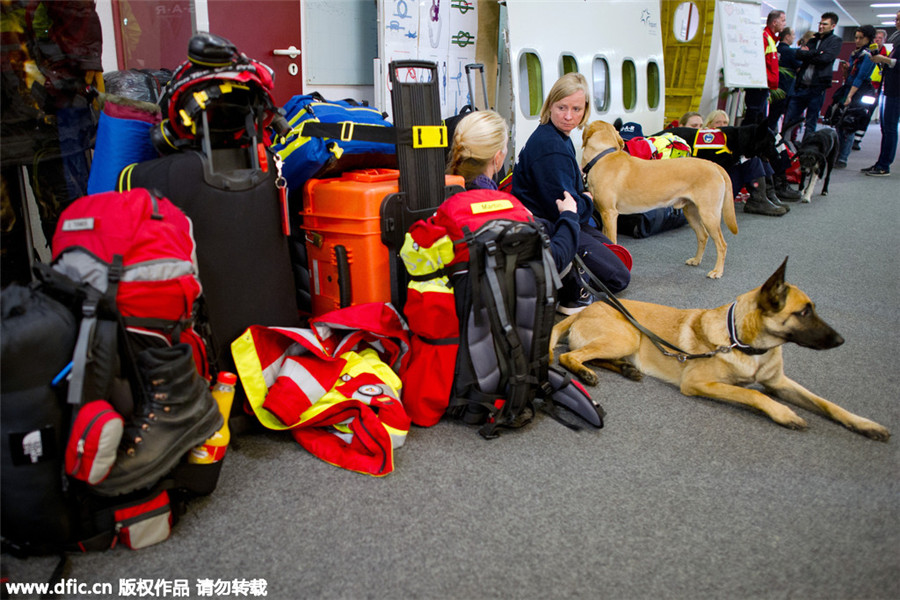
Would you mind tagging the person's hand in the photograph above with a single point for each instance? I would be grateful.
(847, 101)
(567, 203)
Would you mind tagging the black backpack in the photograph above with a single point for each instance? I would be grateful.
(506, 304)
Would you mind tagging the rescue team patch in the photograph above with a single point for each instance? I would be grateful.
(479, 208)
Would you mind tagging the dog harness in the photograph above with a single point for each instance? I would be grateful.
(711, 139)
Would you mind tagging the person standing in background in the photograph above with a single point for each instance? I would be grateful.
(890, 107)
(814, 77)
(757, 99)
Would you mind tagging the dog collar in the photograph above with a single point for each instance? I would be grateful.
(594, 160)
(732, 334)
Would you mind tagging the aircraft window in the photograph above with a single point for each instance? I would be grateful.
(568, 64)
(629, 84)
(686, 21)
(531, 88)
(601, 84)
(652, 84)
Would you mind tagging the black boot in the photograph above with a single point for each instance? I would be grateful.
(773, 197)
(758, 203)
(784, 189)
(176, 413)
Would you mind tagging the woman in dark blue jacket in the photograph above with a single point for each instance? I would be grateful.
(548, 167)
(478, 153)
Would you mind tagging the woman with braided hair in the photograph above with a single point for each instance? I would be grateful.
(479, 149)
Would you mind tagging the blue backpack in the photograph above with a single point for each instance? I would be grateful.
(329, 137)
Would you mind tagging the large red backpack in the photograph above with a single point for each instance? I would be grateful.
(480, 306)
(131, 260)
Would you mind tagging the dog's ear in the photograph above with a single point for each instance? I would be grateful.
(586, 134)
(618, 123)
(774, 291)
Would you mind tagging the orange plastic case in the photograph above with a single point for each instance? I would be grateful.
(342, 225)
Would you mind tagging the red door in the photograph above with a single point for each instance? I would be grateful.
(267, 30)
(152, 35)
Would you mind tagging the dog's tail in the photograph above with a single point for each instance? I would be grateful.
(559, 330)
(728, 203)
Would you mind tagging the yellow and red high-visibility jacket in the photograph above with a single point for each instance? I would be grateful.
(332, 386)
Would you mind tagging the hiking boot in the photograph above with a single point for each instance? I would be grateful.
(784, 190)
(878, 172)
(175, 413)
(774, 199)
(840, 165)
(759, 204)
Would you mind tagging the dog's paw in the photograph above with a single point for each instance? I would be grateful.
(824, 193)
(714, 274)
(805, 199)
(692, 261)
(872, 430)
(788, 418)
(632, 372)
(588, 376)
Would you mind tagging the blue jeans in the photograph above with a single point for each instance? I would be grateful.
(846, 138)
(890, 114)
(805, 98)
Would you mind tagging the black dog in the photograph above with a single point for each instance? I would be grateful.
(817, 155)
(748, 141)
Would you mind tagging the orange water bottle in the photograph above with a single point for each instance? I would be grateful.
(213, 449)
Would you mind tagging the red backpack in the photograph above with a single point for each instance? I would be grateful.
(130, 261)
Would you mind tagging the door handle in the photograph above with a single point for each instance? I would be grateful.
(293, 52)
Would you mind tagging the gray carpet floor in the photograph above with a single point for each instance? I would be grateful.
(676, 497)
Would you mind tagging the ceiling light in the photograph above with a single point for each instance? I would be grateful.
(888, 22)
(890, 5)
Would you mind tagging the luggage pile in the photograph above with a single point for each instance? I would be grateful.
(304, 254)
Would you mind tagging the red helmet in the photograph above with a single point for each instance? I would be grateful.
(221, 85)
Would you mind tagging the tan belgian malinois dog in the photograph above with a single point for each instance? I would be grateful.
(741, 344)
(623, 184)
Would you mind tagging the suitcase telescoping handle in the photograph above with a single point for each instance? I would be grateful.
(411, 64)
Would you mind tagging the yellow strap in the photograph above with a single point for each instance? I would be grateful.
(124, 183)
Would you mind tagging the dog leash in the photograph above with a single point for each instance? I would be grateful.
(607, 296)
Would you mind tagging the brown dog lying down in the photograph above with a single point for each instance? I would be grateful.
(761, 321)
(623, 184)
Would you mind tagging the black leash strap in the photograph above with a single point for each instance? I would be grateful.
(607, 296)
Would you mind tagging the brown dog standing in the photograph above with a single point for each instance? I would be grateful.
(623, 184)
(761, 320)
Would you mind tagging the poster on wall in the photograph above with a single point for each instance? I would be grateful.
(438, 31)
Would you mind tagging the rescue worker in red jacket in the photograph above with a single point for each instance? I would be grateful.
(757, 100)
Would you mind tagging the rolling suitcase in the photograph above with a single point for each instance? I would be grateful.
(242, 250)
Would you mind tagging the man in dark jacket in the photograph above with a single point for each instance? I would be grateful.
(814, 75)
